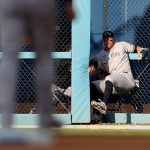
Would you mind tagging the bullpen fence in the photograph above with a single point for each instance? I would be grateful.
(61, 88)
(129, 19)
(63, 100)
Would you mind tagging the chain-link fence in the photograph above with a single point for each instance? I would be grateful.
(130, 21)
(63, 28)
(61, 88)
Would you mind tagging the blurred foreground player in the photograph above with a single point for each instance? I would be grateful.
(20, 18)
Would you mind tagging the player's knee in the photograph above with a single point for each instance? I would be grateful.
(110, 79)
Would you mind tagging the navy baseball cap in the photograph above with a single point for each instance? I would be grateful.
(107, 34)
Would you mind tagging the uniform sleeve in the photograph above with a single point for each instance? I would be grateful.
(129, 48)
(94, 62)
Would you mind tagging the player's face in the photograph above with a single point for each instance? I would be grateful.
(108, 43)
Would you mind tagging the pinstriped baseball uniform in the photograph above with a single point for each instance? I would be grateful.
(116, 63)
(18, 19)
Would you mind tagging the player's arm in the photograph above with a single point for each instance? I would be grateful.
(139, 49)
(134, 48)
(93, 68)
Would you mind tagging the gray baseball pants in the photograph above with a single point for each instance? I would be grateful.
(122, 83)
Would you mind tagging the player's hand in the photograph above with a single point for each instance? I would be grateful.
(92, 70)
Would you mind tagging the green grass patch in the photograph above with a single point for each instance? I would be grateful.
(102, 132)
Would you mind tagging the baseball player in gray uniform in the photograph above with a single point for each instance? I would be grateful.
(114, 60)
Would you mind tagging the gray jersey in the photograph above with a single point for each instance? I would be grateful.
(116, 60)
(116, 63)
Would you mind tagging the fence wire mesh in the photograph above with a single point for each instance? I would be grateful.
(130, 21)
(63, 28)
(61, 87)
(26, 100)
